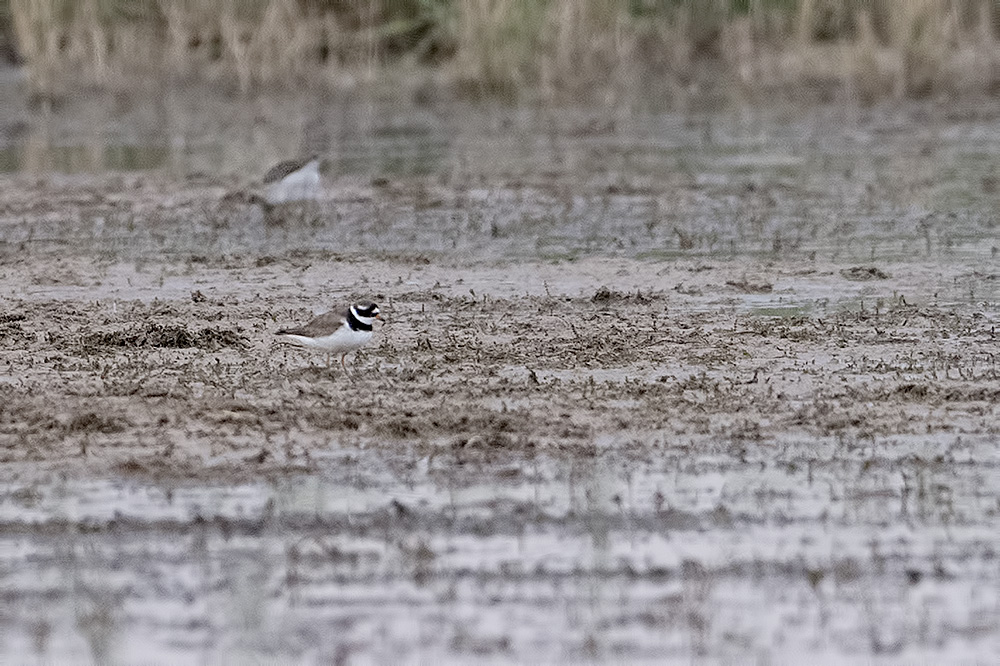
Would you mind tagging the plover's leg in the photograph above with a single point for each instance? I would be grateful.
(328, 359)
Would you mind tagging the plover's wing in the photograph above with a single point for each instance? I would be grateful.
(321, 326)
(282, 169)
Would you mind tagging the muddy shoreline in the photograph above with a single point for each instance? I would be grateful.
(611, 414)
(632, 425)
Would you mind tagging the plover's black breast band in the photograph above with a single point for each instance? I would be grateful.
(355, 323)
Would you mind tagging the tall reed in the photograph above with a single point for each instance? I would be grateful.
(552, 50)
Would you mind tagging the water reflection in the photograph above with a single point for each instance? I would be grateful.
(41, 148)
(609, 554)
(70, 159)
(399, 156)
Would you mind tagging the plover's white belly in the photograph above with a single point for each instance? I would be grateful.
(339, 342)
(299, 186)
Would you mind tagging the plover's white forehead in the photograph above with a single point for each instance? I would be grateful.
(365, 310)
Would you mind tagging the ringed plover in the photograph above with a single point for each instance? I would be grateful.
(292, 180)
(336, 332)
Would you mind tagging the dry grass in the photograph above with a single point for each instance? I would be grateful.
(555, 51)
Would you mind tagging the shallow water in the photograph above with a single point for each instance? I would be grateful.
(830, 183)
(606, 557)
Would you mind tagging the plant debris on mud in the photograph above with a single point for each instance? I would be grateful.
(167, 336)
(864, 273)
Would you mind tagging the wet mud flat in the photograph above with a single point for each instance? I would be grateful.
(539, 469)
(670, 420)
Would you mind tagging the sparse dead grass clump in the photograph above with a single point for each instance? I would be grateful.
(169, 336)
(94, 422)
(798, 329)
(604, 296)
(479, 427)
(748, 287)
(11, 329)
(911, 391)
(864, 273)
(323, 418)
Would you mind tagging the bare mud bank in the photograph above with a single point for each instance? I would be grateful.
(641, 451)
(732, 400)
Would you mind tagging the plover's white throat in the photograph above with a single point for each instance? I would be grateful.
(292, 180)
(338, 332)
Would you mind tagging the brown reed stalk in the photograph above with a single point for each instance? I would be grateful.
(37, 32)
(557, 51)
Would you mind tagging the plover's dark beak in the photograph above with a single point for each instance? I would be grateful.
(379, 317)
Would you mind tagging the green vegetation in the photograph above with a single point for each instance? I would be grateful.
(549, 50)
